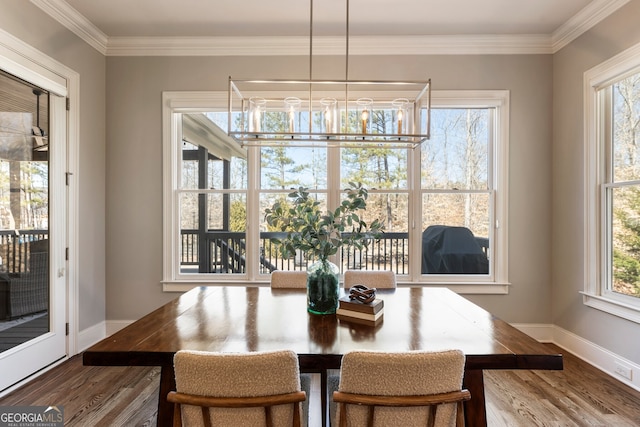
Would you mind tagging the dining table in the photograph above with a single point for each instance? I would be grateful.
(259, 318)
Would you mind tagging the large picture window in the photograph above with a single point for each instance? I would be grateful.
(612, 92)
(441, 203)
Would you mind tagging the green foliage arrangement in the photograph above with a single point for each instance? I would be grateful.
(322, 234)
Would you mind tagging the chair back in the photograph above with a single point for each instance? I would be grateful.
(416, 388)
(244, 389)
(289, 279)
(370, 278)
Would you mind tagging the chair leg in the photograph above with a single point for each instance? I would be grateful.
(296, 415)
(370, 416)
(206, 417)
(177, 415)
(343, 415)
(460, 415)
(433, 410)
(267, 416)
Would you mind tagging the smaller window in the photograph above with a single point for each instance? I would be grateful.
(612, 94)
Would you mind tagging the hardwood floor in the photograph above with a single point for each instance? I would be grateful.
(580, 395)
(94, 395)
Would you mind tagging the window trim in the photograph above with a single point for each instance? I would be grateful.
(174, 103)
(495, 283)
(499, 172)
(596, 241)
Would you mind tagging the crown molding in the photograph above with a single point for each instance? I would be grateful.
(588, 17)
(207, 46)
(74, 22)
(358, 45)
(484, 44)
(583, 21)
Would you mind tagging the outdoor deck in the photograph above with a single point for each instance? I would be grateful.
(225, 253)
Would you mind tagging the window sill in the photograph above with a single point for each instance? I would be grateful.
(482, 288)
(608, 305)
(477, 288)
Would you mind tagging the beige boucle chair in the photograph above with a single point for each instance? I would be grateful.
(370, 278)
(415, 388)
(379, 279)
(237, 389)
(289, 279)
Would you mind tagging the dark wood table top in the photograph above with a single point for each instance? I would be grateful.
(241, 319)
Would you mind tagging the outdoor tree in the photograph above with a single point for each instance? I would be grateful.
(279, 169)
(454, 164)
(626, 251)
(626, 220)
(379, 168)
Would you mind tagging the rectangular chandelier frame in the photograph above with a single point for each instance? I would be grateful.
(331, 113)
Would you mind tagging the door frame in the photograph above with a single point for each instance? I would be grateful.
(22, 60)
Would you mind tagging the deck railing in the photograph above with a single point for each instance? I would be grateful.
(15, 247)
(227, 252)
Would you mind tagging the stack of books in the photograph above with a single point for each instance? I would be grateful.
(358, 312)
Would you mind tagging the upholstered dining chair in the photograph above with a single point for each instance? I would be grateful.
(415, 388)
(237, 389)
(288, 279)
(370, 278)
(379, 279)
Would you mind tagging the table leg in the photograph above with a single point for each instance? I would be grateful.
(475, 412)
(165, 409)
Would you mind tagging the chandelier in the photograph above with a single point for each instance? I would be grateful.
(331, 113)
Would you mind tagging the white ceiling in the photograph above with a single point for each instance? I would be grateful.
(291, 17)
(517, 21)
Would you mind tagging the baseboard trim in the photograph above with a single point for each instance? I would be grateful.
(114, 326)
(598, 356)
(595, 355)
(91, 335)
(539, 331)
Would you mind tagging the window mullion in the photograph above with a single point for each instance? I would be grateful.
(253, 212)
(605, 113)
(333, 186)
(415, 211)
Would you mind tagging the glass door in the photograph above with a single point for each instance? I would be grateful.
(30, 305)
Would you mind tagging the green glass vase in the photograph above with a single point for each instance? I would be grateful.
(323, 283)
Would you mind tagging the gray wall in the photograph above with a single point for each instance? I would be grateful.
(617, 33)
(134, 167)
(34, 27)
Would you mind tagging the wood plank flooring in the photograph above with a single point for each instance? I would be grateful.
(580, 395)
